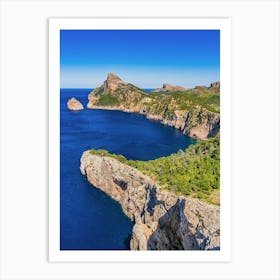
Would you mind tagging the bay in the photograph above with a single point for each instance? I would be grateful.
(90, 219)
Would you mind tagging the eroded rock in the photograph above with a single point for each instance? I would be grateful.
(163, 220)
(74, 104)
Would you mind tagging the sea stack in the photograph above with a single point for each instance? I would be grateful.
(74, 105)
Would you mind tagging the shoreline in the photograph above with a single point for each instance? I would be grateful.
(157, 213)
(195, 133)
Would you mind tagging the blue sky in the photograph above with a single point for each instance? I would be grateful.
(146, 58)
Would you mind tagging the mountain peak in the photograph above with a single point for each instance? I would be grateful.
(112, 76)
(112, 82)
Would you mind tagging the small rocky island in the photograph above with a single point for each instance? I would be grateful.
(74, 105)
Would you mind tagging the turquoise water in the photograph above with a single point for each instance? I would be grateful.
(90, 219)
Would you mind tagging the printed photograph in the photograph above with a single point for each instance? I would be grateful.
(140, 140)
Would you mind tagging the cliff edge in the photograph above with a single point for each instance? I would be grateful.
(162, 220)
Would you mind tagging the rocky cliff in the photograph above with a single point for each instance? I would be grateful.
(163, 220)
(74, 104)
(185, 111)
(112, 83)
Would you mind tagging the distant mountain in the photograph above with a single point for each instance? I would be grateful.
(168, 87)
(194, 111)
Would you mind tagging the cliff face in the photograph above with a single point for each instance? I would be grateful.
(179, 111)
(74, 104)
(215, 85)
(197, 122)
(112, 83)
(163, 221)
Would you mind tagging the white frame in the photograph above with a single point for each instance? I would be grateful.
(55, 25)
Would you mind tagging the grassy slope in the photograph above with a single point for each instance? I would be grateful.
(165, 102)
(195, 171)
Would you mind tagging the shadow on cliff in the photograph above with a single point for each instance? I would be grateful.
(153, 200)
(127, 242)
(173, 232)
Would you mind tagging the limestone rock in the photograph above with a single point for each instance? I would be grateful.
(172, 232)
(163, 220)
(168, 87)
(215, 85)
(140, 234)
(74, 104)
(112, 83)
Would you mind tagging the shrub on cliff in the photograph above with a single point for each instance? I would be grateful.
(195, 171)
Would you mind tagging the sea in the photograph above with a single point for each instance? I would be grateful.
(89, 218)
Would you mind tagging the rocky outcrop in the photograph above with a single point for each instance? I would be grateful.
(74, 104)
(194, 120)
(215, 85)
(163, 220)
(168, 87)
(112, 83)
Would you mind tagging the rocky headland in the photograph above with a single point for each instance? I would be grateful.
(195, 112)
(162, 220)
(74, 104)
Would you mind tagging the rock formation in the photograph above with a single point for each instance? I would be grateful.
(193, 119)
(163, 220)
(215, 85)
(112, 83)
(74, 104)
(168, 87)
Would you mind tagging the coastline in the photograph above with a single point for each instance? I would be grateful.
(161, 218)
(179, 121)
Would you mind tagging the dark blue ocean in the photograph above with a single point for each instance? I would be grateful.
(90, 219)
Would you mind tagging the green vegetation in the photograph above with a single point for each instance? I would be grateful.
(107, 100)
(164, 103)
(105, 153)
(194, 172)
(209, 98)
(170, 101)
(98, 91)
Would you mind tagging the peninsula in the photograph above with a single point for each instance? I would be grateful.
(162, 220)
(195, 111)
